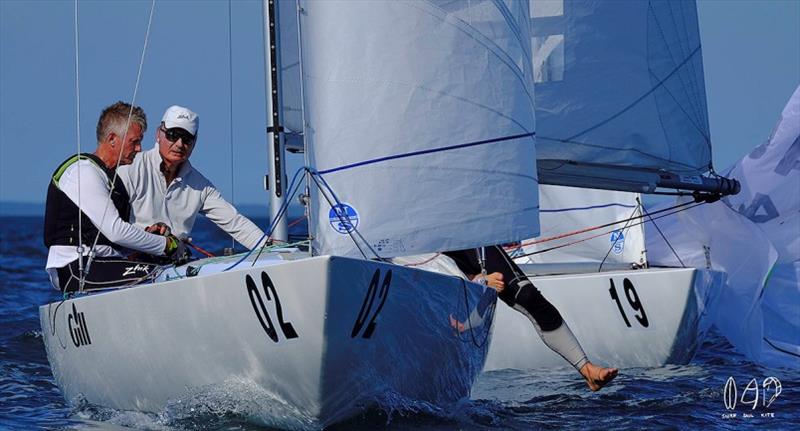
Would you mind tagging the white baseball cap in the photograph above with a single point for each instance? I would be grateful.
(178, 116)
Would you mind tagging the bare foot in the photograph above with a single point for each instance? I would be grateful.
(597, 377)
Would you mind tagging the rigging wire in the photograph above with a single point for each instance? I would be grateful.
(665, 239)
(273, 223)
(489, 315)
(230, 105)
(282, 211)
(78, 138)
(589, 229)
(122, 146)
(624, 228)
(341, 218)
(695, 204)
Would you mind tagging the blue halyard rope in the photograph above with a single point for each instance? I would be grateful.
(284, 207)
(421, 152)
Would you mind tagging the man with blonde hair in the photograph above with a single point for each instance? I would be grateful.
(78, 211)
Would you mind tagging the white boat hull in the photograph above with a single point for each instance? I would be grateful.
(340, 346)
(678, 308)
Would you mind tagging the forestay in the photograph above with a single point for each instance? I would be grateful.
(420, 118)
(620, 93)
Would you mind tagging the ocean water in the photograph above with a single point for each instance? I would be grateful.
(673, 397)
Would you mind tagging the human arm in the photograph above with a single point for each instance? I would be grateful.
(224, 215)
(94, 202)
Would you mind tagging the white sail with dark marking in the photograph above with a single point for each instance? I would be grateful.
(621, 100)
(619, 244)
(419, 124)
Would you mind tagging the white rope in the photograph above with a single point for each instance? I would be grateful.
(124, 137)
(78, 139)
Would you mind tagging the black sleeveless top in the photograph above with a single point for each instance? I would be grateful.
(61, 214)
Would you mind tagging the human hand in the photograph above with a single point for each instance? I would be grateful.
(159, 229)
(175, 250)
(455, 324)
(493, 280)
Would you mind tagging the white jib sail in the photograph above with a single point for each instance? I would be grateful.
(619, 84)
(569, 209)
(420, 118)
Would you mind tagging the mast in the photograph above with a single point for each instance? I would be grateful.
(275, 182)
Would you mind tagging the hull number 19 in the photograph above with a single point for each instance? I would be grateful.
(633, 301)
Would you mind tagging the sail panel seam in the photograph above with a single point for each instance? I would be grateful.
(587, 208)
(488, 44)
(639, 99)
(428, 151)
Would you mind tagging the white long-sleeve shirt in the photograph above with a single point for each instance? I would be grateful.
(94, 200)
(178, 204)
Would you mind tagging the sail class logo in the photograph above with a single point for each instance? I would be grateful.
(343, 218)
(767, 393)
(617, 242)
(78, 331)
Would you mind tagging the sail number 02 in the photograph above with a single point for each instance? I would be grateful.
(633, 301)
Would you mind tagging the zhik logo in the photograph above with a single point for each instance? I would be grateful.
(130, 270)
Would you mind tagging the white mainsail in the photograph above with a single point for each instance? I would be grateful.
(420, 119)
(620, 106)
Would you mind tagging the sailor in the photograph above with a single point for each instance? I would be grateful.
(515, 289)
(78, 211)
(167, 191)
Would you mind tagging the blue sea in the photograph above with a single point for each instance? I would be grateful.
(672, 397)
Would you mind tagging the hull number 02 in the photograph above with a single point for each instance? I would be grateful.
(368, 305)
(261, 310)
(633, 300)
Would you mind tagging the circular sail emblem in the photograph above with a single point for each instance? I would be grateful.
(617, 242)
(343, 218)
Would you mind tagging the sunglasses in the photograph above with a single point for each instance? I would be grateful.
(176, 133)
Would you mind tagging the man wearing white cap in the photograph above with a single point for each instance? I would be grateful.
(164, 187)
(87, 212)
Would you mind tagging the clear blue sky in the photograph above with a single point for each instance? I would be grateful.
(751, 56)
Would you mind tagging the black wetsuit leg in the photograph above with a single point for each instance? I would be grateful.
(106, 272)
(519, 290)
(521, 295)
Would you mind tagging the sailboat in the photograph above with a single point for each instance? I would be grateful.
(414, 117)
(621, 111)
